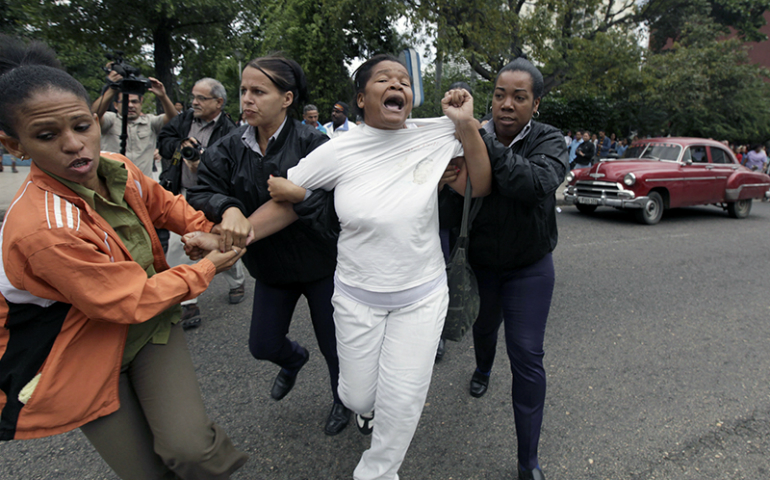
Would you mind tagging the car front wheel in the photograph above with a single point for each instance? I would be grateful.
(739, 209)
(652, 212)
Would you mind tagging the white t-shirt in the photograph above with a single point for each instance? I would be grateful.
(386, 199)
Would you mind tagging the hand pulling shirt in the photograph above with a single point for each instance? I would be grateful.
(385, 196)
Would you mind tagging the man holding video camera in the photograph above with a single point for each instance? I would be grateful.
(183, 141)
(143, 129)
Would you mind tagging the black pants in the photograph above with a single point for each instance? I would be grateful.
(271, 317)
(521, 299)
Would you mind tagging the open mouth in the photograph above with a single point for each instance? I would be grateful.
(395, 103)
(80, 163)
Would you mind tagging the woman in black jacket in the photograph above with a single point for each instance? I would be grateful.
(511, 241)
(585, 152)
(232, 184)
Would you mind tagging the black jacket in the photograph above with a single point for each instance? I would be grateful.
(516, 225)
(588, 150)
(233, 175)
(172, 135)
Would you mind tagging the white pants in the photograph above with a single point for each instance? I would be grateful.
(176, 256)
(386, 362)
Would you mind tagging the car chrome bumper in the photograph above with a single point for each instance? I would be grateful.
(603, 201)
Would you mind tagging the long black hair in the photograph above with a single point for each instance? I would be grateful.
(286, 75)
(26, 69)
(362, 75)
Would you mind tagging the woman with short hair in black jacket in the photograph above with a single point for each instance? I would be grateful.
(511, 241)
(232, 184)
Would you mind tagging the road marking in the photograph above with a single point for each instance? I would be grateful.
(627, 240)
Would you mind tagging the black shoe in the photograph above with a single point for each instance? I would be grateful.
(364, 424)
(284, 381)
(191, 316)
(534, 474)
(440, 350)
(237, 294)
(338, 419)
(479, 384)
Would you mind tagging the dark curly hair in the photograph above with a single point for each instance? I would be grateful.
(25, 69)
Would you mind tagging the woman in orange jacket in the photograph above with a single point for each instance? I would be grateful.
(89, 306)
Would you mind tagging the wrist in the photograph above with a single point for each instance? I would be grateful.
(230, 211)
(467, 124)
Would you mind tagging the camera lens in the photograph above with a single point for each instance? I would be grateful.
(190, 154)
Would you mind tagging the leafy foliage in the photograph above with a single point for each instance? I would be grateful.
(708, 88)
(598, 74)
(323, 36)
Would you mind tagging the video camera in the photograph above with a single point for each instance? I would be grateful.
(133, 82)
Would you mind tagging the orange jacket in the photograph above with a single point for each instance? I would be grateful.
(69, 292)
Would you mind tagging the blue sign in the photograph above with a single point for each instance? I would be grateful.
(411, 59)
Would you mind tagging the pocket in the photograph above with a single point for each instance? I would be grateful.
(143, 130)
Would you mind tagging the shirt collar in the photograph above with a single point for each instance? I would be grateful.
(490, 128)
(206, 124)
(115, 177)
(249, 137)
(140, 119)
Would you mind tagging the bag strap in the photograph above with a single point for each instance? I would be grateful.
(466, 210)
(469, 213)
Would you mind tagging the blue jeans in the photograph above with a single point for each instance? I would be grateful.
(271, 317)
(521, 299)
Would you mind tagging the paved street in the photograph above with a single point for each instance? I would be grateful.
(657, 354)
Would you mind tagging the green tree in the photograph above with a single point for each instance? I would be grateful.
(95, 27)
(708, 88)
(668, 19)
(324, 36)
(554, 33)
(453, 71)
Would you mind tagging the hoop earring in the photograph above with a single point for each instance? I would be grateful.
(537, 114)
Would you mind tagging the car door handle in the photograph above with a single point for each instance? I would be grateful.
(709, 167)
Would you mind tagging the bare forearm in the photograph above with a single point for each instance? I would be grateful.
(168, 108)
(272, 217)
(102, 104)
(476, 157)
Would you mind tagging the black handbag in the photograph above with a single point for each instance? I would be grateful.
(464, 299)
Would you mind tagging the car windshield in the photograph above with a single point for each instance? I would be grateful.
(656, 151)
(634, 151)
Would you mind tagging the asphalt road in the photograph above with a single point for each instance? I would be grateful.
(657, 354)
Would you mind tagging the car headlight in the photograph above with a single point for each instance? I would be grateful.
(629, 179)
(570, 177)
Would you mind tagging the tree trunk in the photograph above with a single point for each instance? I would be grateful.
(164, 65)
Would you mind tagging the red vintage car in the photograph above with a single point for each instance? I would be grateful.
(660, 173)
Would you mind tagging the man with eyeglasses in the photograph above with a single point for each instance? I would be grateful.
(198, 127)
(339, 123)
(143, 129)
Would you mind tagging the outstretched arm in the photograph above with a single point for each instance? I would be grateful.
(102, 104)
(272, 217)
(268, 219)
(160, 93)
(458, 106)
